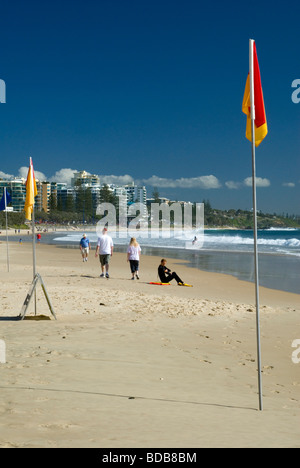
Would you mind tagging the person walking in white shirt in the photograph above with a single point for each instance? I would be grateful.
(104, 249)
(133, 256)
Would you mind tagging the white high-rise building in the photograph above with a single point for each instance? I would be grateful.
(136, 193)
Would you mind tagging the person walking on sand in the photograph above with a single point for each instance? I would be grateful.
(133, 256)
(166, 275)
(104, 249)
(84, 246)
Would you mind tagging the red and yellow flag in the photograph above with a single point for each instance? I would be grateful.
(261, 128)
(31, 192)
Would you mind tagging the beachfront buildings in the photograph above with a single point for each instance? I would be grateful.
(43, 197)
(84, 178)
(83, 193)
(17, 190)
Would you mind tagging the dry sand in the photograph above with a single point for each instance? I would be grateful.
(128, 364)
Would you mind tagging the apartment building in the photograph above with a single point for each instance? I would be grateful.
(17, 190)
(84, 178)
(43, 197)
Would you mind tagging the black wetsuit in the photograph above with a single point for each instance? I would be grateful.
(166, 276)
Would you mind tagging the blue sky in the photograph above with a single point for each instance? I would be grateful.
(152, 90)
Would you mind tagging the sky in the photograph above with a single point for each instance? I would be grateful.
(151, 91)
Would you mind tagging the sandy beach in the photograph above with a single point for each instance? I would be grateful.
(128, 364)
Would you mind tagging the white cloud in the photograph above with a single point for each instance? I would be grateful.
(156, 181)
(203, 182)
(63, 176)
(23, 171)
(259, 182)
(116, 180)
(289, 184)
(5, 176)
(233, 185)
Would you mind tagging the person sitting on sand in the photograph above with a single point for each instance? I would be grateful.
(166, 275)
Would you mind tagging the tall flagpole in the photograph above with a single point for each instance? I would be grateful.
(34, 254)
(5, 203)
(252, 104)
(33, 236)
(31, 192)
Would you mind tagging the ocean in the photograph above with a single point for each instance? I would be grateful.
(219, 250)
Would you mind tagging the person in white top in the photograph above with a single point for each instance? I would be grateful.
(133, 256)
(104, 249)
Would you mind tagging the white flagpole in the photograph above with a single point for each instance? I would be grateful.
(36, 276)
(252, 104)
(33, 234)
(34, 254)
(7, 250)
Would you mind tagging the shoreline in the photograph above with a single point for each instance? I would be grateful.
(92, 227)
(277, 271)
(236, 286)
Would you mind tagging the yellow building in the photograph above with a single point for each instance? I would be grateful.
(43, 196)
